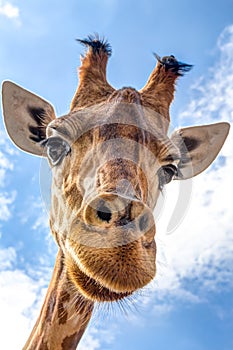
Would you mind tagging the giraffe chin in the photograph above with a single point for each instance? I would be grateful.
(90, 288)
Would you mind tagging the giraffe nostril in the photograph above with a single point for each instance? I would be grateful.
(104, 213)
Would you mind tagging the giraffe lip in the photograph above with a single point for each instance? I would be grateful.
(90, 288)
(86, 284)
(110, 282)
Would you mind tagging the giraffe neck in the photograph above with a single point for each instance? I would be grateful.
(64, 315)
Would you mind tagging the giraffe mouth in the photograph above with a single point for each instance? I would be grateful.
(106, 275)
(89, 287)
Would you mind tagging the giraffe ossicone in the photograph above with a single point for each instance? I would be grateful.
(110, 157)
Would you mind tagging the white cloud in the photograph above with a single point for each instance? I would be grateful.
(5, 201)
(97, 337)
(6, 151)
(18, 293)
(89, 342)
(8, 10)
(42, 221)
(7, 258)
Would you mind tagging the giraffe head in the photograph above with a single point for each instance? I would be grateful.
(110, 157)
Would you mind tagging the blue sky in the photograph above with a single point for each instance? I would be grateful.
(190, 304)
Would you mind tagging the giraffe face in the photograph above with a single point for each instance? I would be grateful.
(108, 164)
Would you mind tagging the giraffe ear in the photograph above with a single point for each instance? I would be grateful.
(199, 146)
(26, 117)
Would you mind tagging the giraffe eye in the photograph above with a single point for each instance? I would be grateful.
(57, 149)
(166, 173)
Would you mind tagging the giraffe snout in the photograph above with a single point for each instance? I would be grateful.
(120, 218)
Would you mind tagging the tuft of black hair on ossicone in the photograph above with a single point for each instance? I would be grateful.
(170, 63)
(96, 44)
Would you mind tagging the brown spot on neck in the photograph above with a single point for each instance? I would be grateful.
(71, 341)
(62, 312)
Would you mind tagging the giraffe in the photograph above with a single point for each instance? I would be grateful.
(110, 158)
